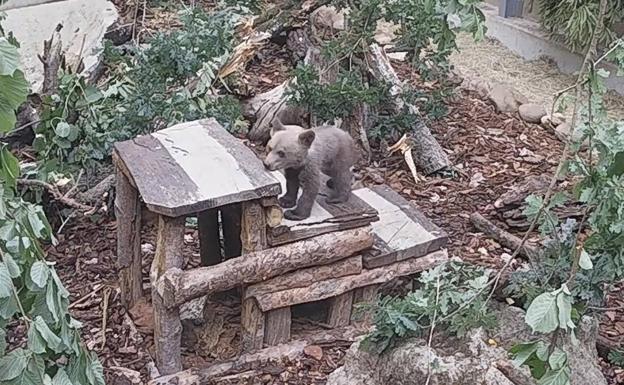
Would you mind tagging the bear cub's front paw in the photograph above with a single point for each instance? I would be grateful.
(293, 215)
(286, 202)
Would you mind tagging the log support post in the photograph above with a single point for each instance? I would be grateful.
(253, 238)
(209, 239)
(277, 329)
(167, 325)
(231, 226)
(362, 295)
(128, 215)
(340, 310)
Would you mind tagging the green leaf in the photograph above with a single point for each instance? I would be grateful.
(6, 284)
(522, 352)
(556, 377)
(564, 304)
(557, 359)
(12, 266)
(61, 378)
(9, 57)
(52, 339)
(39, 273)
(36, 343)
(33, 374)
(9, 167)
(13, 364)
(13, 92)
(36, 224)
(542, 314)
(585, 261)
(95, 372)
(62, 129)
(617, 167)
(51, 300)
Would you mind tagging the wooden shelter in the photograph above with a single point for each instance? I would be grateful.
(341, 253)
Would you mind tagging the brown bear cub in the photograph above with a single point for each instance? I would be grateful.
(304, 154)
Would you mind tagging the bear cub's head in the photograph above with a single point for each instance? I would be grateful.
(288, 146)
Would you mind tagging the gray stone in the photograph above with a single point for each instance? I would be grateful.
(465, 361)
(84, 24)
(505, 98)
(532, 112)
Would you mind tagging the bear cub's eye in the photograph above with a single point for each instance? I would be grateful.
(281, 154)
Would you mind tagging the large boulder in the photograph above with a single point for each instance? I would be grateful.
(84, 24)
(532, 112)
(506, 98)
(467, 361)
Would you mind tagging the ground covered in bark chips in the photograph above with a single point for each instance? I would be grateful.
(493, 152)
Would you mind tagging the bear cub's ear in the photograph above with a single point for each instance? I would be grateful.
(306, 138)
(276, 126)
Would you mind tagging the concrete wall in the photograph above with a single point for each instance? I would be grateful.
(12, 4)
(526, 38)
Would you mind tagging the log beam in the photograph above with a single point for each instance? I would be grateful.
(332, 287)
(178, 287)
(363, 295)
(277, 329)
(167, 326)
(128, 215)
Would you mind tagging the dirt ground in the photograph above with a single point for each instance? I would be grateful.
(492, 152)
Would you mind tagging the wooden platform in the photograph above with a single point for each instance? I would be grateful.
(192, 167)
(405, 243)
(324, 218)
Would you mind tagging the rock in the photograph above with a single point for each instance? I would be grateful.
(472, 360)
(81, 19)
(553, 121)
(505, 98)
(562, 132)
(314, 351)
(532, 112)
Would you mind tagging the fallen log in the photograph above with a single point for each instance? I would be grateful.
(268, 106)
(177, 287)
(427, 152)
(503, 237)
(255, 360)
(333, 287)
(306, 277)
(241, 364)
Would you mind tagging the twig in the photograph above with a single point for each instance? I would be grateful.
(71, 191)
(597, 308)
(433, 323)
(86, 296)
(65, 221)
(105, 298)
(56, 194)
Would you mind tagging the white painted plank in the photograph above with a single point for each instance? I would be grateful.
(394, 227)
(207, 163)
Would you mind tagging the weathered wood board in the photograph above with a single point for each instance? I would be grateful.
(333, 287)
(192, 167)
(324, 218)
(402, 230)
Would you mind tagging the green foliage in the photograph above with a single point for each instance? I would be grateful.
(30, 290)
(333, 100)
(426, 31)
(616, 357)
(443, 291)
(150, 89)
(550, 368)
(574, 21)
(589, 267)
(13, 85)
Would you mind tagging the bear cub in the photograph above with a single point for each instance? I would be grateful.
(303, 154)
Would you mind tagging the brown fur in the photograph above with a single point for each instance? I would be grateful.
(304, 154)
